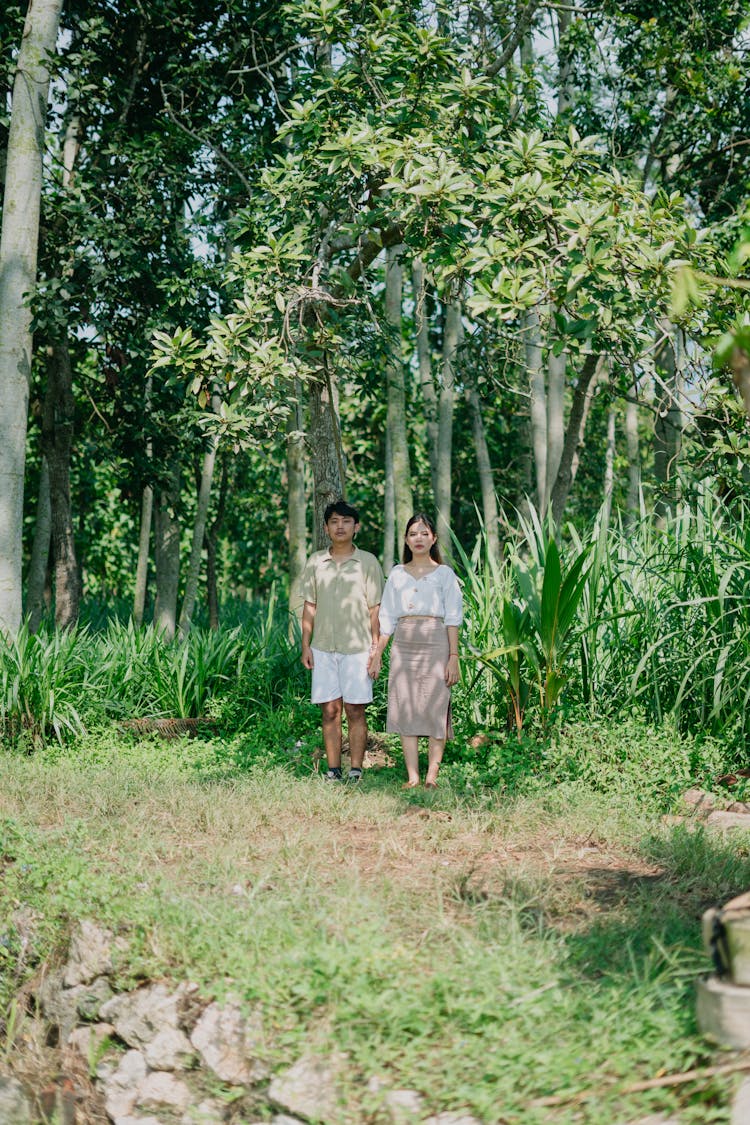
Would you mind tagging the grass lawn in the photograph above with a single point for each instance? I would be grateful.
(488, 950)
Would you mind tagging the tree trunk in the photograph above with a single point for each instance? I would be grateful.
(141, 570)
(669, 423)
(37, 576)
(18, 261)
(212, 538)
(451, 341)
(556, 370)
(538, 405)
(574, 435)
(633, 505)
(424, 362)
(57, 444)
(199, 530)
(326, 454)
(167, 557)
(490, 515)
(389, 509)
(397, 391)
(296, 506)
(609, 467)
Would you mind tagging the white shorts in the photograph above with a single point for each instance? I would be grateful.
(339, 676)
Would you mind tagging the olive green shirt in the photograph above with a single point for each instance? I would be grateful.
(343, 594)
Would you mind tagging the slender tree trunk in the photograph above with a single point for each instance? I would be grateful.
(296, 506)
(212, 539)
(451, 343)
(669, 424)
(57, 444)
(574, 434)
(144, 536)
(490, 515)
(565, 87)
(18, 263)
(538, 405)
(38, 566)
(397, 391)
(424, 362)
(633, 505)
(389, 509)
(556, 370)
(609, 466)
(199, 530)
(141, 570)
(326, 454)
(167, 557)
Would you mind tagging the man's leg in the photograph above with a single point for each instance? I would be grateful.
(331, 720)
(356, 719)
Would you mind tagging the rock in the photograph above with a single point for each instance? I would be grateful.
(699, 800)
(162, 1088)
(169, 1050)
(741, 1104)
(139, 1016)
(724, 1011)
(121, 1088)
(208, 1112)
(720, 819)
(228, 1043)
(87, 1041)
(90, 997)
(58, 1004)
(90, 954)
(129, 1120)
(451, 1118)
(403, 1106)
(307, 1089)
(14, 1105)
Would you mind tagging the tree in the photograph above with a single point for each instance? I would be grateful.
(18, 258)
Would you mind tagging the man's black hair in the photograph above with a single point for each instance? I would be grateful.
(341, 508)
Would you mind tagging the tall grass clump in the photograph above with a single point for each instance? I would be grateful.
(614, 622)
(54, 685)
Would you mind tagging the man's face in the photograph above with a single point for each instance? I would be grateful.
(341, 529)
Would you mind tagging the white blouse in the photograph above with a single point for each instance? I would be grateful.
(436, 594)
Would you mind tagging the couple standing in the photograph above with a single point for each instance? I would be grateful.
(347, 621)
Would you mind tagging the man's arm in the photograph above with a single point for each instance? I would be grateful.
(308, 620)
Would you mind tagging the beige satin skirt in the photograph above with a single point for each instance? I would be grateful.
(419, 700)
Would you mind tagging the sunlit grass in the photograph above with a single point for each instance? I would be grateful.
(485, 953)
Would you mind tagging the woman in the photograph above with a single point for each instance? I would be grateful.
(422, 609)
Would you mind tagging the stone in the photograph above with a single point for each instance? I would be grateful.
(228, 1042)
(160, 1087)
(130, 1120)
(208, 1112)
(725, 820)
(170, 1049)
(741, 1104)
(90, 997)
(121, 1087)
(451, 1118)
(723, 1011)
(403, 1106)
(307, 1089)
(87, 1041)
(90, 954)
(699, 800)
(14, 1105)
(139, 1016)
(59, 1005)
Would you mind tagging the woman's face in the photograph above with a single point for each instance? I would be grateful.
(419, 539)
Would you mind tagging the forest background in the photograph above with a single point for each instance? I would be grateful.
(487, 259)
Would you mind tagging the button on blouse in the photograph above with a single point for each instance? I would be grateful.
(436, 594)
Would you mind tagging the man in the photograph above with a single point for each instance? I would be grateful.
(341, 587)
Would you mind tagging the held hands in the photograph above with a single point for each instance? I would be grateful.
(307, 658)
(373, 664)
(451, 671)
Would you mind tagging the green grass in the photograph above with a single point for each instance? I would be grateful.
(486, 949)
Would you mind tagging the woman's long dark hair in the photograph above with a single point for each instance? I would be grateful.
(420, 517)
